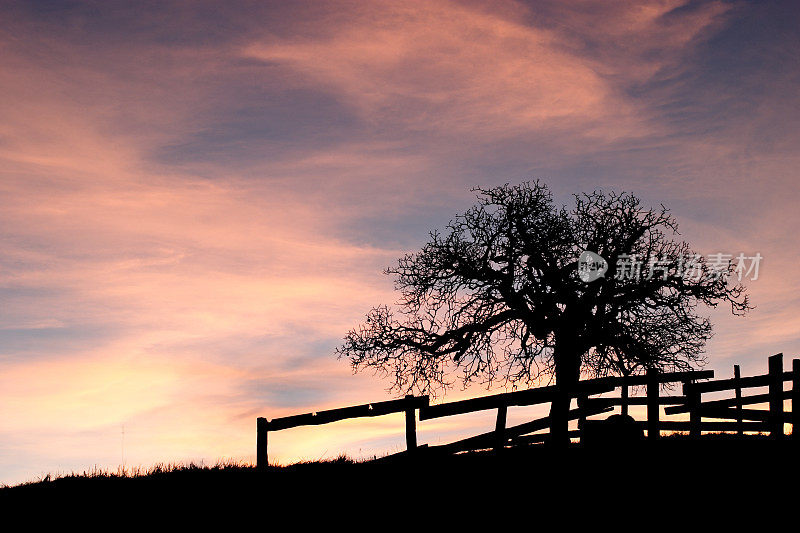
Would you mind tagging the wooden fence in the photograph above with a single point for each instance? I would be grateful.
(727, 415)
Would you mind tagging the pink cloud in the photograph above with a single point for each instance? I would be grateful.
(461, 70)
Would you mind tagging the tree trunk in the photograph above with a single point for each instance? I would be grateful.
(567, 358)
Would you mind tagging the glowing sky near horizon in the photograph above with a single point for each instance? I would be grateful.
(197, 198)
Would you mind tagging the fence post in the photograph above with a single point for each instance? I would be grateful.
(795, 398)
(776, 396)
(500, 428)
(739, 418)
(693, 403)
(582, 417)
(262, 431)
(411, 425)
(624, 398)
(653, 426)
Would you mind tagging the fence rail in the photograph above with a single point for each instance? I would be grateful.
(517, 398)
(727, 415)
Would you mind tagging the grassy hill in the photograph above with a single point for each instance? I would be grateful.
(676, 467)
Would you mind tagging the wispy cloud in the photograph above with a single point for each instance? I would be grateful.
(456, 70)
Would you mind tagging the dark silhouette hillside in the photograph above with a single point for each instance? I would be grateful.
(676, 466)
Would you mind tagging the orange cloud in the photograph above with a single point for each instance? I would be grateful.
(459, 70)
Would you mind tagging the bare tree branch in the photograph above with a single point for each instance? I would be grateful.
(497, 296)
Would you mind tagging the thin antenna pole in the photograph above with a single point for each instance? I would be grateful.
(123, 448)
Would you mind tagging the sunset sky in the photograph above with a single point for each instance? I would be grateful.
(197, 198)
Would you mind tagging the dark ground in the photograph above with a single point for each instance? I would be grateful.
(678, 473)
(677, 485)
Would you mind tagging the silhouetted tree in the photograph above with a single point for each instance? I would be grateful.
(500, 295)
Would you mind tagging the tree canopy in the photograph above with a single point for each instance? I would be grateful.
(518, 289)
